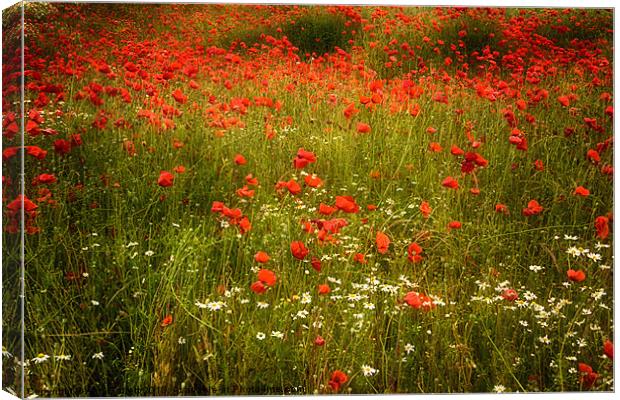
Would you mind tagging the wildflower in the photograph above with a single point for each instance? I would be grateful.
(360, 258)
(313, 181)
(347, 204)
(267, 277)
(306, 298)
(262, 305)
(501, 209)
(240, 160)
(601, 224)
(409, 348)
(367, 370)
(383, 242)
(536, 268)
(166, 321)
(98, 356)
(581, 191)
(215, 305)
(40, 358)
(363, 127)
(454, 225)
(303, 158)
(588, 376)
(499, 388)
(277, 334)
(261, 257)
(149, 253)
(510, 295)
(419, 300)
(166, 179)
(316, 264)
(608, 349)
(414, 252)
(63, 357)
(299, 250)
(324, 289)
(576, 276)
(425, 209)
(319, 341)
(337, 379)
(533, 208)
(450, 183)
(435, 147)
(260, 336)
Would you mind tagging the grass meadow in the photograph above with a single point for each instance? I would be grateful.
(242, 199)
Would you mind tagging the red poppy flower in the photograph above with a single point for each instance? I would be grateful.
(303, 158)
(581, 191)
(425, 209)
(240, 160)
(564, 100)
(337, 379)
(324, 289)
(456, 151)
(217, 206)
(293, 187)
(454, 225)
(538, 165)
(21, 201)
(419, 301)
(510, 295)
(593, 156)
(316, 264)
(533, 208)
(601, 223)
(179, 169)
(350, 111)
(347, 204)
(608, 349)
(363, 127)
(414, 252)
(299, 250)
(9, 153)
(267, 277)
(251, 180)
(359, 258)
(501, 208)
(588, 376)
(166, 179)
(245, 225)
(46, 178)
(313, 181)
(179, 96)
(383, 242)
(576, 276)
(261, 257)
(435, 147)
(245, 192)
(319, 341)
(166, 321)
(258, 287)
(450, 182)
(326, 210)
(62, 146)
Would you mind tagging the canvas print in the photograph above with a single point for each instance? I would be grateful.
(237, 199)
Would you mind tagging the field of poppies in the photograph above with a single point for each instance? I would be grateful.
(240, 199)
